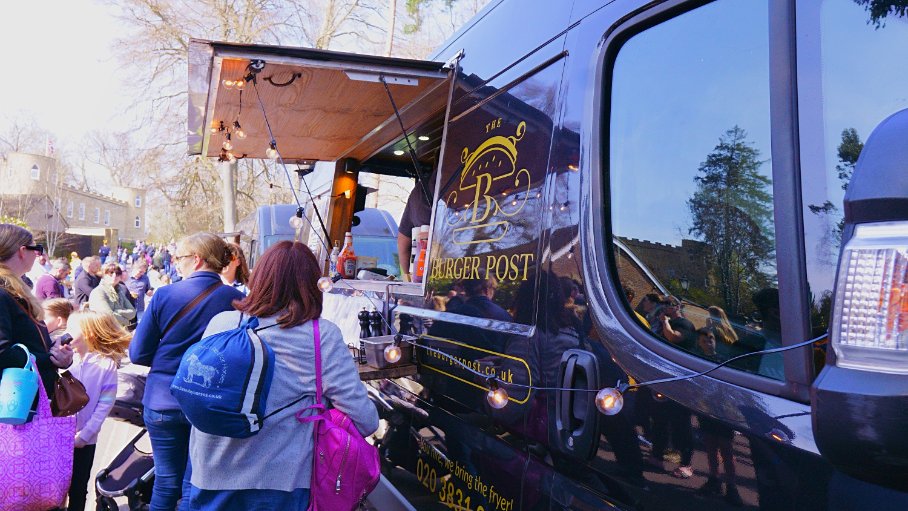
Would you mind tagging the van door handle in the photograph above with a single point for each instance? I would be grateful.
(576, 420)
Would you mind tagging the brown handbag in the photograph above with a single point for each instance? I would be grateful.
(69, 396)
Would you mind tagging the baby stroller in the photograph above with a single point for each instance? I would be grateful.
(131, 473)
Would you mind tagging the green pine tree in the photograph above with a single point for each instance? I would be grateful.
(732, 213)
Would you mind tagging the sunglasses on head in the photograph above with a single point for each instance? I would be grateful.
(39, 248)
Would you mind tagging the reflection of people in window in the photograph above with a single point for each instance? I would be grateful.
(706, 343)
(677, 329)
(630, 294)
(417, 212)
(649, 309)
(479, 295)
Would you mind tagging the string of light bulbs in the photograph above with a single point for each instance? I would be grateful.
(609, 400)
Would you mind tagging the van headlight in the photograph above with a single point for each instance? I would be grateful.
(870, 315)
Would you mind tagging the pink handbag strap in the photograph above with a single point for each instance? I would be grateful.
(318, 362)
(43, 401)
(318, 406)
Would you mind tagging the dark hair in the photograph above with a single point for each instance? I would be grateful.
(706, 331)
(285, 281)
(112, 269)
(242, 270)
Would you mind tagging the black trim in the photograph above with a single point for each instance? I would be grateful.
(322, 55)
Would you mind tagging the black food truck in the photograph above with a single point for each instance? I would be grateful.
(667, 257)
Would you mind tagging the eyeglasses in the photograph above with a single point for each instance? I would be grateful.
(39, 248)
(181, 257)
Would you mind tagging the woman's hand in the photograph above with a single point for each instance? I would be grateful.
(61, 356)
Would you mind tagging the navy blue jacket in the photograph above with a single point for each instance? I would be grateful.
(163, 355)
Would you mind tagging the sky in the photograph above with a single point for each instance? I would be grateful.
(60, 69)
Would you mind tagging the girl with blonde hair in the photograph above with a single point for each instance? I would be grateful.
(718, 322)
(21, 315)
(99, 343)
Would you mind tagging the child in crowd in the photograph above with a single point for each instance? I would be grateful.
(99, 342)
(706, 343)
(56, 314)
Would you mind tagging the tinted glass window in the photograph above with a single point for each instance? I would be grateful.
(851, 77)
(691, 183)
(489, 211)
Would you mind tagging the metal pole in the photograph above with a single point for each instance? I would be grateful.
(228, 176)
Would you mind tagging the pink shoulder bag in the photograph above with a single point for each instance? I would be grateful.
(36, 460)
(345, 468)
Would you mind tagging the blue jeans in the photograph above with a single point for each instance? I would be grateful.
(249, 500)
(169, 434)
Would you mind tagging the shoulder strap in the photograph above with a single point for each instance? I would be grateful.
(189, 306)
(318, 362)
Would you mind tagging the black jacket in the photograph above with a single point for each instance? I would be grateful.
(18, 327)
(83, 286)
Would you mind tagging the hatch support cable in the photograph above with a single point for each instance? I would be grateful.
(414, 161)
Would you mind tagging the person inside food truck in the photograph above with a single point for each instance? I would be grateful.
(417, 212)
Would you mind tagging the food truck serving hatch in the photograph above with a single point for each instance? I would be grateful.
(321, 105)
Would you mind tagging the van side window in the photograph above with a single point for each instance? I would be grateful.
(691, 183)
(847, 87)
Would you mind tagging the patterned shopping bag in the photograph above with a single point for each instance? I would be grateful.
(36, 460)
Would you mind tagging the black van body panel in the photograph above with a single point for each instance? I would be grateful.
(518, 457)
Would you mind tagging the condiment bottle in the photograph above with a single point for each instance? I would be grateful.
(332, 259)
(346, 261)
(422, 249)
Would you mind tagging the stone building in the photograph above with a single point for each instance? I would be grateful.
(34, 191)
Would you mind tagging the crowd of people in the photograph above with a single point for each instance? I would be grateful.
(147, 306)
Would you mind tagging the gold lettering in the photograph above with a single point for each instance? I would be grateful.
(526, 264)
(483, 183)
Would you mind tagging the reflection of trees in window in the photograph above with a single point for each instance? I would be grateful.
(879, 9)
(732, 213)
(849, 150)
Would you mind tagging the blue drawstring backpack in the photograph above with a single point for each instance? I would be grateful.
(223, 381)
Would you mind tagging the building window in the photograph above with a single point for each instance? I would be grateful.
(58, 205)
(691, 202)
(138, 201)
(106, 217)
(97, 215)
(36, 173)
(69, 209)
(81, 211)
(138, 222)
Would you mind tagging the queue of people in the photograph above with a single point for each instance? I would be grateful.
(88, 334)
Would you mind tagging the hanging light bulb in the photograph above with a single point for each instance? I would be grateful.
(229, 84)
(609, 401)
(393, 352)
(325, 284)
(238, 130)
(231, 157)
(228, 146)
(296, 221)
(239, 84)
(271, 152)
(497, 396)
